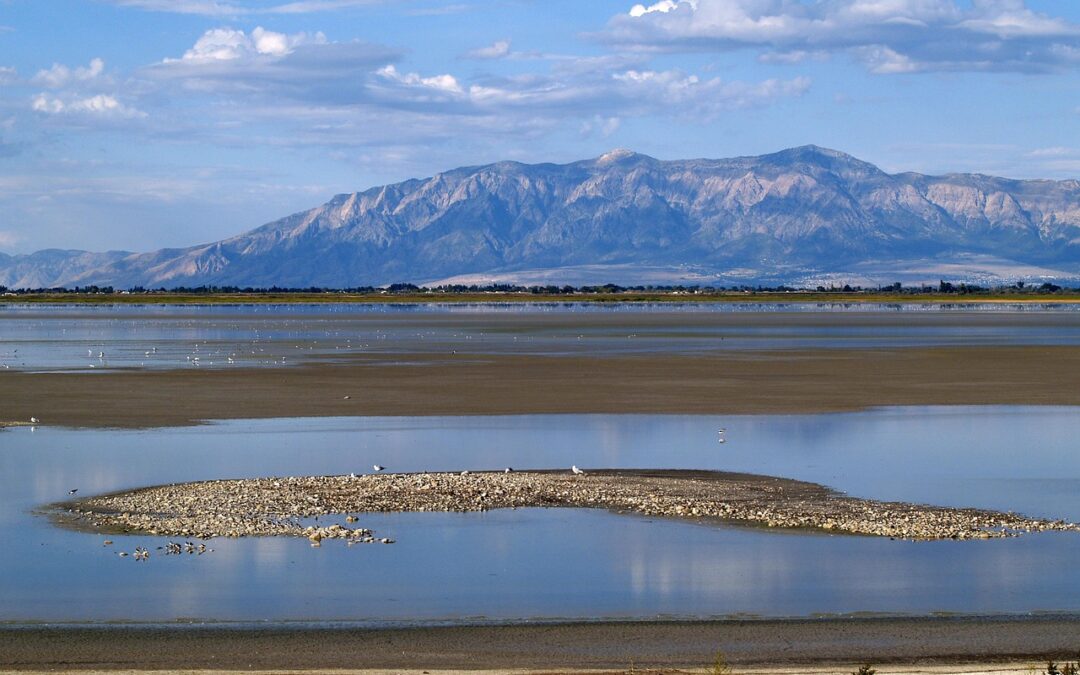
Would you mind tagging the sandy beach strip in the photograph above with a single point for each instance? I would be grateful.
(966, 644)
(784, 381)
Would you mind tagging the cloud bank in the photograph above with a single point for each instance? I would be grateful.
(885, 36)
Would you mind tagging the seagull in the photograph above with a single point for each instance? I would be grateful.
(378, 467)
(576, 471)
(33, 420)
(73, 491)
(509, 469)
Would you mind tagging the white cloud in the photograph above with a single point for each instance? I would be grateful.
(225, 44)
(882, 60)
(101, 105)
(438, 83)
(887, 36)
(664, 6)
(61, 76)
(8, 75)
(500, 49)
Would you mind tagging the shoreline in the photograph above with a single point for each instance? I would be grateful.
(496, 298)
(775, 645)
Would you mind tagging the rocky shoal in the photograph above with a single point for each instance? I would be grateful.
(279, 506)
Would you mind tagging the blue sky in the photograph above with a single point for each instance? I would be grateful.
(138, 124)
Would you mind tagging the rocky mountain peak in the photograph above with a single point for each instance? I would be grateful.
(804, 213)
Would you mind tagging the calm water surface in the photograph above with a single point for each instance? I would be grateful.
(555, 563)
(86, 338)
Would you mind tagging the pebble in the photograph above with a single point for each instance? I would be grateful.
(277, 506)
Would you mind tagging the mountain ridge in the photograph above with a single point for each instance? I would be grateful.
(799, 215)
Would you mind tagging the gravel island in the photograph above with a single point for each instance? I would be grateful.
(279, 506)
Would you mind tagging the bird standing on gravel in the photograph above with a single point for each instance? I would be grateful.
(576, 471)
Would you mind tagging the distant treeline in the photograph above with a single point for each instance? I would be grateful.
(942, 288)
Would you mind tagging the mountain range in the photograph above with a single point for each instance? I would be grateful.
(806, 215)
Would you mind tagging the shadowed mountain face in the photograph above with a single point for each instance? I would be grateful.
(794, 216)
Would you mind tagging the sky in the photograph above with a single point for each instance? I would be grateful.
(141, 124)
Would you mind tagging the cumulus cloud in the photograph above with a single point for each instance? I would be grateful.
(443, 84)
(61, 76)
(664, 6)
(99, 105)
(264, 68)
(226, 44)
(498, 50)
(887, 36)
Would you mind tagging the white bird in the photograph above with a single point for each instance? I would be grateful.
(378, 468)
(509, 469)
(576, 471)
(33, 420)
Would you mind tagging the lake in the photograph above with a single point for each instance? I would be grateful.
(94, 338)
(547, 564)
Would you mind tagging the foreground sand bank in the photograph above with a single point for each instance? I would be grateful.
(965, 644)
(787, 381)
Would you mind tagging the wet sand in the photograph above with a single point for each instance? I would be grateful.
(615, 647)
(744, 382)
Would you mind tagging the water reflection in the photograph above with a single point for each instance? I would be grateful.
(91, 339)
(531, 563)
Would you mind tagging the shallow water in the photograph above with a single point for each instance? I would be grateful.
(94, 338)
(555, 563)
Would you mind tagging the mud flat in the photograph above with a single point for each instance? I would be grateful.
(409, 384)
(277, 506)
(831, 645)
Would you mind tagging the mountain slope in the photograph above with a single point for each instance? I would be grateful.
(799, 214)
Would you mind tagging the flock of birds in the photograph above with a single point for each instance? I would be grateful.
(379, 467)
(142, 553)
